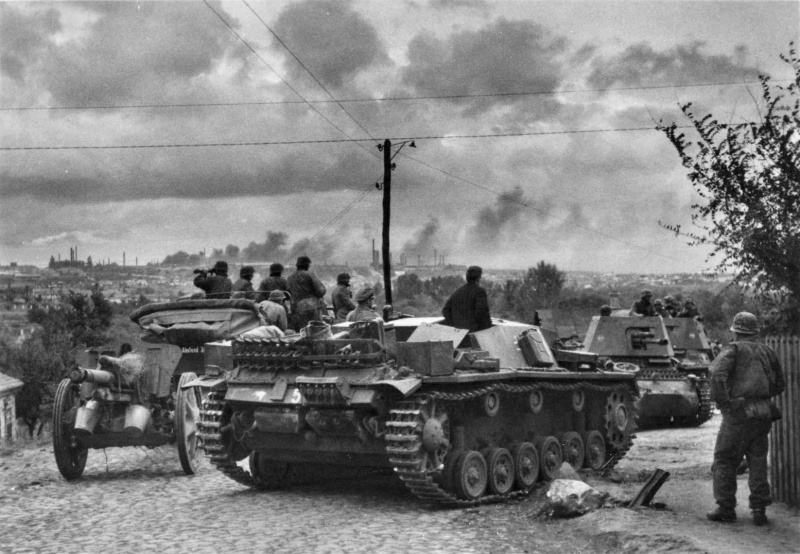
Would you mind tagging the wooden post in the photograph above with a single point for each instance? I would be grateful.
(387, 191)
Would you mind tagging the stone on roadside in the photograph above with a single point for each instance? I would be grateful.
(572, 498)
(566, 471)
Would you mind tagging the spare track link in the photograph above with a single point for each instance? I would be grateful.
(404, 443)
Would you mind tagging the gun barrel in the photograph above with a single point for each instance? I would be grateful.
(99, 376)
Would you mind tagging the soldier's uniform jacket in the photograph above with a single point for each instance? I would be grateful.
(644, 307)
(273, 313)
(468, 308)
(303, 284)
(215, 286)
(341, 298)
(273, 282)
(245, 286)
(362, 314)
(745, 369)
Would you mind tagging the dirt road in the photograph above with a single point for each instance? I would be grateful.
(136, 500)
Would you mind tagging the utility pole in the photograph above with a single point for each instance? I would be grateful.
(388, 166)
(387, 207)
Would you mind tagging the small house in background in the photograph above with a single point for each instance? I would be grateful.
(8, 390)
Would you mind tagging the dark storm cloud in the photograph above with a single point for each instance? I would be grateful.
(493, 221)
(504, 57)
(136, 51)
(641, 65)
(203, 174)
(331, 39)
(424, 240)
(23, 38)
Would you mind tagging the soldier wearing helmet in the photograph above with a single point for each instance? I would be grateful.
(744, 376)
(275, 281)
(660, 308)
(243, 287)
(672, 305)
(214, 282)
(690, 309)
(342, 297)
(307, 292)
(365, 309)
(644, 306)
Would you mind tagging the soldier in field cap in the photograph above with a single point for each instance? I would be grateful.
(744, 376)
(307, 292)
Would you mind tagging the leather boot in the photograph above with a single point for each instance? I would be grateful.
(760, 518)
(723, 515)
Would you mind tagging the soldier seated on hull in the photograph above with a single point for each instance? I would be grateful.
(468, 307)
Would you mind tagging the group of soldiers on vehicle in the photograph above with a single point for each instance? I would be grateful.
(290, 302)
(667, 308)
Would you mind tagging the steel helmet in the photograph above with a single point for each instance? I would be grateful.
(745, 323)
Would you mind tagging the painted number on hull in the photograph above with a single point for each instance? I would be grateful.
(296, 397)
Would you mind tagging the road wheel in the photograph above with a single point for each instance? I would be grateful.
(471, 475)
(550, 456)
(187, 414)
(70, 455)
(594, 446)
(268, 474)
(526, 464)
(573, 449)
(500, 466)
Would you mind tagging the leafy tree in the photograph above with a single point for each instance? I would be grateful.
(408, 286)
(748, 175)
(441, 287)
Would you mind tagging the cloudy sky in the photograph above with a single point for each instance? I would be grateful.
(152, 127)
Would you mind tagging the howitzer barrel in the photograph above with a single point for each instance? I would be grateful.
(99, 376)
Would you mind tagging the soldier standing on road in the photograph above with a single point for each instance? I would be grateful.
(364, 311)
(307, 292)
(644, 306)
(744, 376)
(274, 282)
(217, 285)
(243, 287)
(468, 307)
(342, 298)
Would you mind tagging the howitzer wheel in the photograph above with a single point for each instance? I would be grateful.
(187, 415)
(70, 455)
(594, 445)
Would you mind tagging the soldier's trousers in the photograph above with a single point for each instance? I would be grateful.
(736, 439)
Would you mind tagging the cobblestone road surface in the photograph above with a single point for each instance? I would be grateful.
(139, 500)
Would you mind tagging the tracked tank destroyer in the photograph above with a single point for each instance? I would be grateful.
(460, 419)
(673, 390)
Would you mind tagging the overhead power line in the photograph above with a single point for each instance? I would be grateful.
(333, 141)
(307, 70)
(378, 99)
(253, 50)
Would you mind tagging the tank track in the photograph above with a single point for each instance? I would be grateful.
(704, 411)
(404, 445)
(220, 455)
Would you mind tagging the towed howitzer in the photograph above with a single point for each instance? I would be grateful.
(140, 399)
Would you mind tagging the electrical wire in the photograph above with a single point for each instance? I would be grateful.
(379, 99)
(333, 141)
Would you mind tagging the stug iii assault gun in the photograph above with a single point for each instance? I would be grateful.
(459, 419)
(137, 399)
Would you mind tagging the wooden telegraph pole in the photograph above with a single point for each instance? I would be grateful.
(387, 191)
